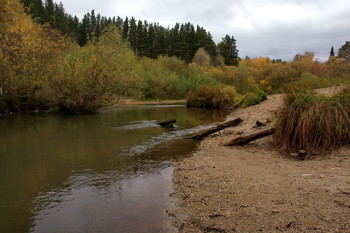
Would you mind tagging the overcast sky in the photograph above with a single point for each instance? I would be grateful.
(274, 28)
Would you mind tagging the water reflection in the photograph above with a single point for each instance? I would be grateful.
(107, 203)
(99, 173)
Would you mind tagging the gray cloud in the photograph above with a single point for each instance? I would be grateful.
(275, 28)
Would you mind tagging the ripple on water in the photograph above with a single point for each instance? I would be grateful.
(150, 143)
(138, 125)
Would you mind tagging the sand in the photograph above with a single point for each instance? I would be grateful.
(254, 188)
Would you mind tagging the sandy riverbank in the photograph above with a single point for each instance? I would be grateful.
(253, 188)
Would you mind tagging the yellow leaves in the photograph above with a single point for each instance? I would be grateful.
(30, 55)
(93, 59)
(265, 86)
(263, 83)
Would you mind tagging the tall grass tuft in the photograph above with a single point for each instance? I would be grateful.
(313, 122)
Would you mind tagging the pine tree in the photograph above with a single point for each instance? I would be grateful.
(133, 34)
(344, 51)
(332, 54)
(228, 49)
(49, 12)
(119, 23)
(141, 39)
(60, 19)
(82, 31)
(126, 28)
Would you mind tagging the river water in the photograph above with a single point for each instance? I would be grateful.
(109, 172)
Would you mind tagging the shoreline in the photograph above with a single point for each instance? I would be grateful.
(132, 102)
(122, 103)
(254, 188)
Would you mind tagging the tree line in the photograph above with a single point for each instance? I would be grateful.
(145, 38)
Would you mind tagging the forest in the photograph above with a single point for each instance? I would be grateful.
(52, 61)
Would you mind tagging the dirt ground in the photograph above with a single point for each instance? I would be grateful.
(254, 188)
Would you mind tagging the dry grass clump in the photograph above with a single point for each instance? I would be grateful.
(313, 122)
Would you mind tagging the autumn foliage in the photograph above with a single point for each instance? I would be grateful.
(30, 56)
(42, 70)
(205, 96)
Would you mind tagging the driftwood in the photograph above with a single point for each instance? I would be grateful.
(249, 138)
(236, 105)
(167, 123)
(219, 127)
(260, 124)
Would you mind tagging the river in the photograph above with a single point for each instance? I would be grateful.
(109, 172)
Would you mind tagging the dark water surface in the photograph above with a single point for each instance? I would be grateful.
(109, 172)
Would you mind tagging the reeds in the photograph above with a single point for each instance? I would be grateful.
(313, 122)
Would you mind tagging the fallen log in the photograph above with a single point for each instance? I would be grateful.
(237, 105)
(259, 124)
(249, 138)
(219, 127)
(167, 123)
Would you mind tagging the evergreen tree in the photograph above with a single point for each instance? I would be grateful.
(119, 23)
(141, 38)
(92, 25)
(133, 34)
(82, 31)
(332, 54)
(151, 42)
(98, 27)
(174, 41)
(228, 49)
(157, 34)
(344, 51)
(49, 12)
(60, 19)
(37, 10)
(126, 28)
(146, 39)
(205, 41)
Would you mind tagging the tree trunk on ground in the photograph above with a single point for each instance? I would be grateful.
(249, 138)
(219, 127)
(167, 122)
(236, 105)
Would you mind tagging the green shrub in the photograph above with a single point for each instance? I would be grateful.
(91, 75)
(307, 81)
(207, 96)
(313, 122)
(253, 98)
